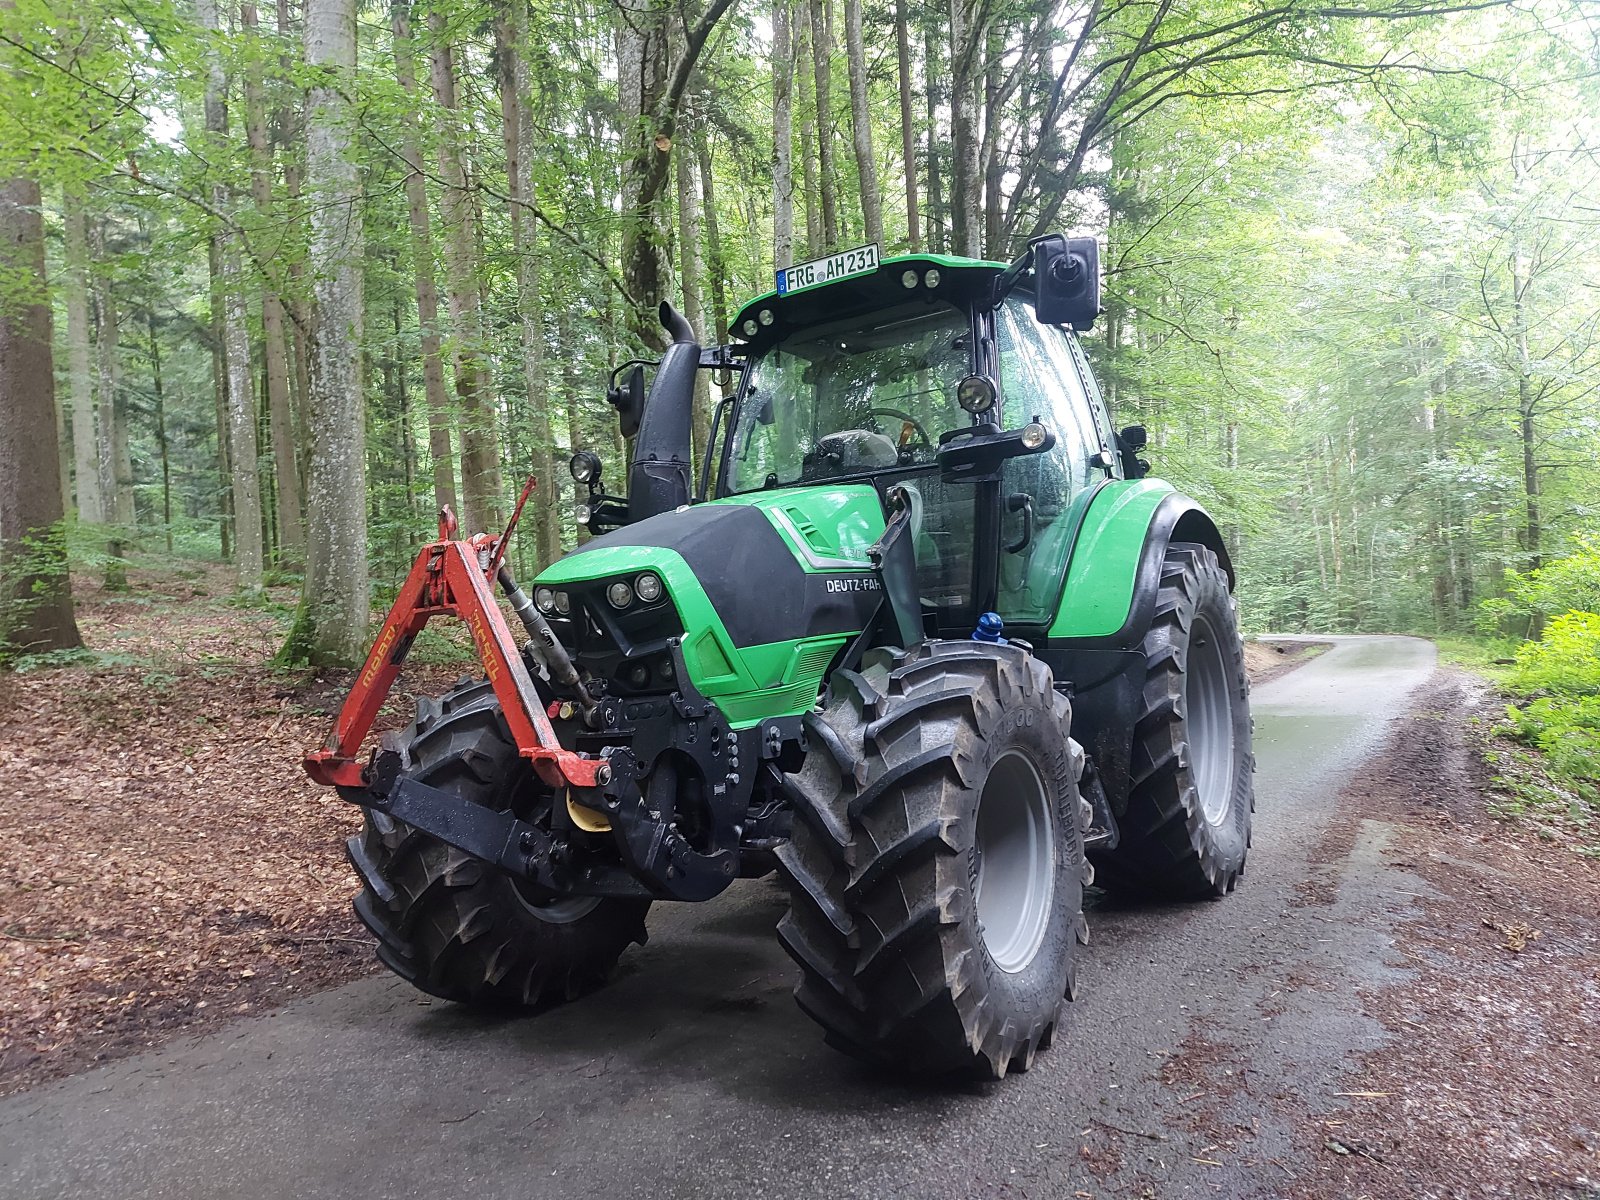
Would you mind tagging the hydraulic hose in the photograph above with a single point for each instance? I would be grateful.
(545, 643)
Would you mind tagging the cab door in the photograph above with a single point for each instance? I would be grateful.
(1043, 495)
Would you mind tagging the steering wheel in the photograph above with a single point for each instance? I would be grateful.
(908, 419)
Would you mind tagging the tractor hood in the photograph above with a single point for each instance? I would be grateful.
(763, 588)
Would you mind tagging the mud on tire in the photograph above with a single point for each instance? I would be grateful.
(451, 924)
(907, 959)
(1187, 826)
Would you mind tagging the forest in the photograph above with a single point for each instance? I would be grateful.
(276, 285)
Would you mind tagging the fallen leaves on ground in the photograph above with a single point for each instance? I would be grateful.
(167, 865)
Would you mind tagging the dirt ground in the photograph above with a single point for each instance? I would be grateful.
(167, 866)
(1491, 1085)
(1265, 661)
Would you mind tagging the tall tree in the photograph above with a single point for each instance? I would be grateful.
(516, 111)
(274, 344)
(244, 462)
(653, 74)
(908, 126)
(480, 442)
(782, 136)
(427, 287)
(80, 377)
(822, 81)
(861, 123)
(330, 627)
(111, 440)
(37, 610)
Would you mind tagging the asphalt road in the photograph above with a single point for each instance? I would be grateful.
(695, 1075)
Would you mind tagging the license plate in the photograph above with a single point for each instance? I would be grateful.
(860, 261)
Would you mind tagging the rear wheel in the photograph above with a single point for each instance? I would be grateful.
(1187, 826)
(936, 869)
(455, 926)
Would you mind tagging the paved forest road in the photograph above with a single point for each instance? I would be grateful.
(695, 1075)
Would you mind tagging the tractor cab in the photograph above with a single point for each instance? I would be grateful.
(885, 379)
(912, 377)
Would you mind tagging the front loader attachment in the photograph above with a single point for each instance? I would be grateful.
(453, 577)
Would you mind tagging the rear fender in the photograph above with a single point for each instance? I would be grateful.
(1115, 568)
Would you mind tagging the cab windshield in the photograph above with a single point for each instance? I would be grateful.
(847, 399)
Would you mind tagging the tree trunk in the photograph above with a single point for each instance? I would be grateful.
(693, 297)
(427, 289)
(108, 385)
(808, 137)
(652, 82)
(822, 74)
(861, 123)
(716, 265)
(989, 150)
(908, 133)
(274, 347)
(480, 454)
(245, 475)
(290, 136)
(80, 379)
(965, 187)
(37, 611)
(331, 626)
(930, 68)
(782, 138)
(516, 110)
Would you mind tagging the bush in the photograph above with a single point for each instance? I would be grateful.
(1561, 585)
(1560, 676)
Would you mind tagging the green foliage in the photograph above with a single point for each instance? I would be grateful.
(1566, 583)
(1559, 675)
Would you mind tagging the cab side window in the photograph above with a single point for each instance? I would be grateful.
(1039, 377)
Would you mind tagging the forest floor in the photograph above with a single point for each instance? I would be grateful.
(168, 867)
(1490, 1085)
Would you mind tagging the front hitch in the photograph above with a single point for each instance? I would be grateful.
(453, 576)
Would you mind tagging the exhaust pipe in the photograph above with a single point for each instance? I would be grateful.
(660, 476)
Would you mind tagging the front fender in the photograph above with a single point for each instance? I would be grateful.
(1115, 568)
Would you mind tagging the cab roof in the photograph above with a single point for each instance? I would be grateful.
(958, 281)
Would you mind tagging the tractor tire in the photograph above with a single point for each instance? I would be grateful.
(455, 926)
(936, 868)
(1186, 830)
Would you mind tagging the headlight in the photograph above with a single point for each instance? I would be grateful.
(751, 329)
(620, 594)
(585, 466)
(1034, 435)
(545, 598)
(931, 279)
(563, 603)
(648, 587)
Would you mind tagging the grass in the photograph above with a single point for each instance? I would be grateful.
(1544, 754)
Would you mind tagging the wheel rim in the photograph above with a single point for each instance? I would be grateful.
(1016, 862)
(563, 910)
(1208, 718)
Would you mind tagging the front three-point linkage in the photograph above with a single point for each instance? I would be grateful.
(454, 577)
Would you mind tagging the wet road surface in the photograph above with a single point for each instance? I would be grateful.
(693, 1074)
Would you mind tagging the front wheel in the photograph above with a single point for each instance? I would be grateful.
(936, 870)
(454, 925)
(1187, 825)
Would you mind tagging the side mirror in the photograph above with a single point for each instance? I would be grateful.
(1130, 440)
(628, 397)
(974, 454)
(1066, 274)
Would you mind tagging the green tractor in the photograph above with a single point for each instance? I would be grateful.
(921, 635)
